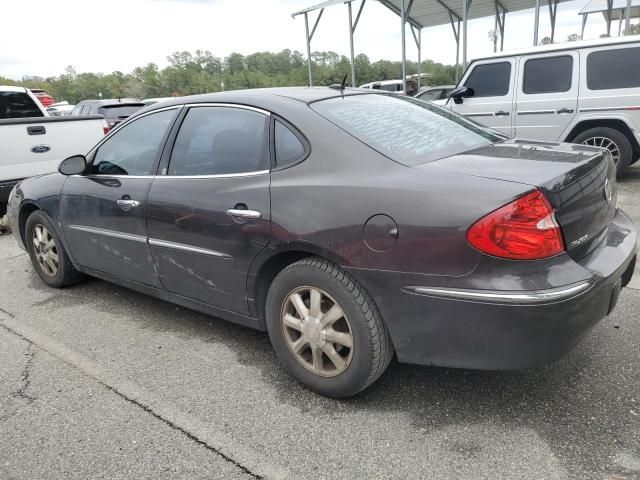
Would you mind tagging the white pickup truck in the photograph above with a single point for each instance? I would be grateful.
(33, 143)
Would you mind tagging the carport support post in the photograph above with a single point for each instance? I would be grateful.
(553, 9)
(465, 8)
(306, 27)
(536, 23)
(609, 13)
(584, 24)
(627, 15)
(353, 60)
(419, 57)
(404, 46)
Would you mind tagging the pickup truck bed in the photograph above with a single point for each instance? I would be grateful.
(36, 145)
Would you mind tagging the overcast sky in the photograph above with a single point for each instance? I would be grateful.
(102, 36)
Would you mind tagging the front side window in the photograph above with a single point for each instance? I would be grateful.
(133, 148)
(548, 75)
(490, 79)
(76, 110)
(220, 141)
(18, 105)
(404, 129)
(613, 68)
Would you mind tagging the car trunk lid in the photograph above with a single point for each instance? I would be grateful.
(578, 181)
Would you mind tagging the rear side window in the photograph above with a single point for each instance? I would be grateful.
(490, 80)
(18, 105)
(220, 141)
(289, 148)
(615, 68)
(119, 111)
(548, 75)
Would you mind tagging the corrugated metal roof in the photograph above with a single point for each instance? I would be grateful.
(430, 13)
(600, 6)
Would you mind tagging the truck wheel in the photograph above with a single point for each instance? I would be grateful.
(48, 256)
(613, 140)
(326, 329)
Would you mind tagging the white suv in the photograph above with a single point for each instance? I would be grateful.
(580, 92)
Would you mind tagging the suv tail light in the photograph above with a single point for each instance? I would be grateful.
(105, 126)
(525, 229)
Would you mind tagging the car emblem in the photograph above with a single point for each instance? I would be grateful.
(40, 148)
(608, 191)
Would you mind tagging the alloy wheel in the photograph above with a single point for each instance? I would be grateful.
(317, 331)
(45, 250)
(604, 142)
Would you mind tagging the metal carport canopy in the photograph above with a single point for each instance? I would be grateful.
(421, 14)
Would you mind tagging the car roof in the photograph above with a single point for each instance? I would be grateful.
(558, 47)
(301, 94)
(12, 88)
(111, 101)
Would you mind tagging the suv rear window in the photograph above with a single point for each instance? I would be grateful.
(613, 68)
(119, 111)
(406, 130)
(18, 105)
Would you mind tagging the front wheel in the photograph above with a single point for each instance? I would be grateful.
(614, 141)
(326, 329)
(48, 256)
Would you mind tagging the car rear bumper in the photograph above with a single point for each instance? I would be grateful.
(504, 329)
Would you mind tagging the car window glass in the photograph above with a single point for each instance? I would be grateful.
(404, 129)
(289, 148)
(76, 110)
(133, 149)
(613, 68)
(220, 141)
(490, 80)
(119, 111)
(18, 105)
(547, 75)
(430, 95)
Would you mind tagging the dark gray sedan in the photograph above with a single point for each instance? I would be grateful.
(349, 225)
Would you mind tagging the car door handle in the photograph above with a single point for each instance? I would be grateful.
(502, 113)
(238, 213)
(127, 204)
(565, 110)
(37, 130)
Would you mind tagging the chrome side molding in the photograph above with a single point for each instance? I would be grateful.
(188, 248)
(506, 297)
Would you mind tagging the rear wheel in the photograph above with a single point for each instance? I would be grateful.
(613, 140)
(48, 256)
(326, 329)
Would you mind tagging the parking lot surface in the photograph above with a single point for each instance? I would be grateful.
(97, 381)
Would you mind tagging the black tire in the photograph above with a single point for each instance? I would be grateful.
(66, 274)
(372, 347)
(618, 138)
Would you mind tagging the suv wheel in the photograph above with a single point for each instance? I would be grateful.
(613, 140)
(326, 329)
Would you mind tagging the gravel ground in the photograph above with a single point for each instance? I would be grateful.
(97, 381)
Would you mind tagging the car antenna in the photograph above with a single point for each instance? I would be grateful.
(340, 86)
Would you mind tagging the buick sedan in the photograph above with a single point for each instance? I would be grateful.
(349, 225)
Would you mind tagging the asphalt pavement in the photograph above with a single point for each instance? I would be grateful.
(97, 381)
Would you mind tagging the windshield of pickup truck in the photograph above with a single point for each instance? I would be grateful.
(18, 105)
(120, 111)
(406, 130)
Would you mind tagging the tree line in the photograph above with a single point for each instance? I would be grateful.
(189, 73)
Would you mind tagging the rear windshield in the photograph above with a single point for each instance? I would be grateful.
(119, 111)
(18, 105)
(406, 130)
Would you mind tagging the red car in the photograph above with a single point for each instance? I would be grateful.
(44, 97)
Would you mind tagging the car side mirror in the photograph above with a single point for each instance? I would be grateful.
(461, 92)
(75, 165)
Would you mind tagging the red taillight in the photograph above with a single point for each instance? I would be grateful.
(524, 229)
